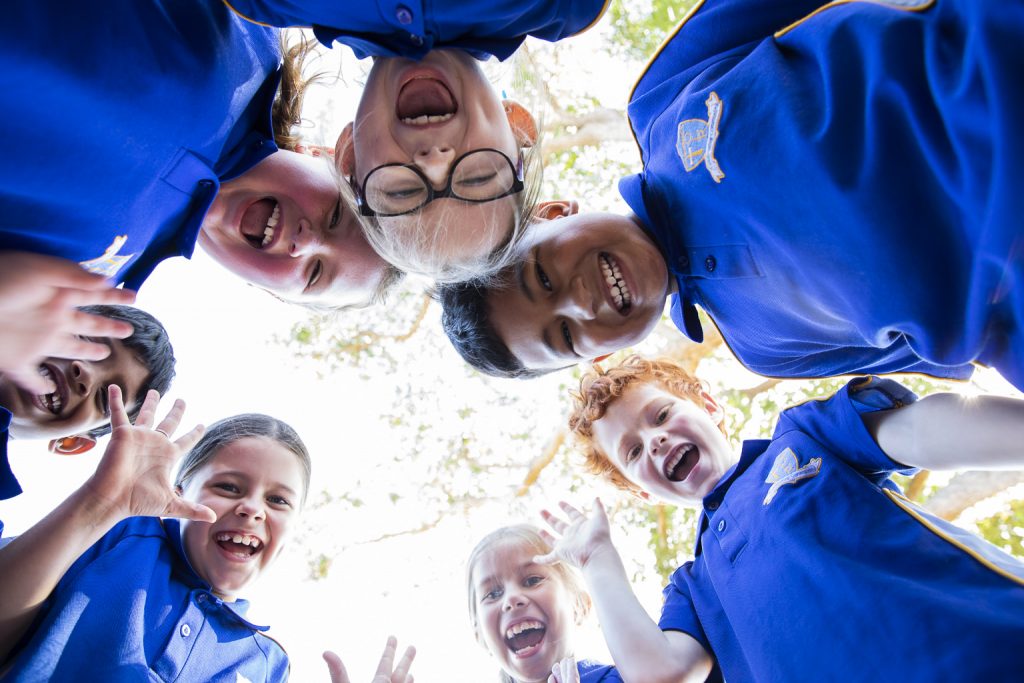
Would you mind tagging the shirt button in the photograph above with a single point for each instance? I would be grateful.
(721, 525)
(684, 261)
(710, 263)
(713, 505)
(185, 631)
(404, 15)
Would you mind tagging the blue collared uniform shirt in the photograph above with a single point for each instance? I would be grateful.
(839, 186)
(131, 608)
(9, 486)
(412, 28)
(592, 672)
(811, 565)
(120, 123)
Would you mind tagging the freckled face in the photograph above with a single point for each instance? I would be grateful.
(670, 447)
(79, 402)
(255, 487)
(283, 226)
(586, 285)
(524, 612)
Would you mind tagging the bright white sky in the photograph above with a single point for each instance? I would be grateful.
(223, 332)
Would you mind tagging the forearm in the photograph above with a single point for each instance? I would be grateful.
(948, 431)
(642, 652)
(32, 564)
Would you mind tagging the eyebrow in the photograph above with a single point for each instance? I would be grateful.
(246, 475)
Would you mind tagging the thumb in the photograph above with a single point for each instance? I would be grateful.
(335, 667)
(549, 558)
(185, 509)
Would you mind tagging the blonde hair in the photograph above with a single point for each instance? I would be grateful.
(528, 536)
(600, 388)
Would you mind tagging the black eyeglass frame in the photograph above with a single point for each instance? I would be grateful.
(446, 192)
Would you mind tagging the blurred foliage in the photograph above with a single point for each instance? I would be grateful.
(1006, 529)
(640, 27)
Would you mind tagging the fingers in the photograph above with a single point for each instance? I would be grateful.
(402, 674)
(387, 659)
(190, 438)
(118, 416)
(556, 523)
(95, 325)
(173, 418)
(572, 513)
(335, 667)
(31, 381)
(148, 411)
(184, 509)
(550, 558)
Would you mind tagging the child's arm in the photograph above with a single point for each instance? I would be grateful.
(947, 431)
(384, 674)
(39, 296)
(641, 650)
(132, 479)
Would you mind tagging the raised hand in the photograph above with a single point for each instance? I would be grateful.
(579, 537)
(39, 296)
(565, 671)
(385, 673)
(134, 476)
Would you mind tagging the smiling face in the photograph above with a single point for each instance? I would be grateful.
(79, 403)
(429, 114)
(282, 226)
(254, 485)
(524, 614)
(670, 447)
(586, 285)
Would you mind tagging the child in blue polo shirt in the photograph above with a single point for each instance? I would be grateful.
(71, 407)
(104, 583)
(524, 613)
(430, 126)
(809, 564)
(838, 187)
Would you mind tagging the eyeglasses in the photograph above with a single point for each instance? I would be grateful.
(478, 176)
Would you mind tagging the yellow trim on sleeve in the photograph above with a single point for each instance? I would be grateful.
(591, 25)
(908, 507)
(920, 7)
(682, 22)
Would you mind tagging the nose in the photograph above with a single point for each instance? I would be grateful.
(81, 377)
(303, 240)
(435, 162)
(657, 445)
(513, 599)
(250, 508)
(576, 302)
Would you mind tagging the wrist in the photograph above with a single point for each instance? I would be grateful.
(603, 557)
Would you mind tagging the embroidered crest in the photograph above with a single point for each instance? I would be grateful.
(696, 140)
(787, 470)
(108, 264)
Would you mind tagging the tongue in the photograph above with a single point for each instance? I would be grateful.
(254, 220)
(526, 639)
(424, 97)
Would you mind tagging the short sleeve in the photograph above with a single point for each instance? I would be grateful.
(678, 612)
(836, 423)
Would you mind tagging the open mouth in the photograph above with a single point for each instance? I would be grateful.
(55, 401)
(259, 222)
(616, 284)
(525, 637)
(680, 462)
(242, 546)
(424, 101)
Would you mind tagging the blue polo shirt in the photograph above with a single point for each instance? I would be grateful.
(839, 186)
(9, 486)
(412, 28)
(131, 608)
(121, 122)
(592, 672)
(810, 564)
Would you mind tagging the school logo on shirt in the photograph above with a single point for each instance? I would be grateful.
(110, 262)
(696, 140)
(787, 470)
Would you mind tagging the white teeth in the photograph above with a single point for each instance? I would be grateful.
(616, 284)
(268, 232)
(424, 119)
(241, 539)
(52, 400)
(516, 629)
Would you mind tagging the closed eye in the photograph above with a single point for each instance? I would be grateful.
(476, 181)
(567, 336)
(542, 277)
(336, 215)
(314, 275)
(103, 400)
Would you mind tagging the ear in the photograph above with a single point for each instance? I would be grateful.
(522, 123)
(712, 408)
(345, 152)
(555, 209)
(72, 445)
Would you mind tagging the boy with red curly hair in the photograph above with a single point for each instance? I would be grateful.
(809, 562)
